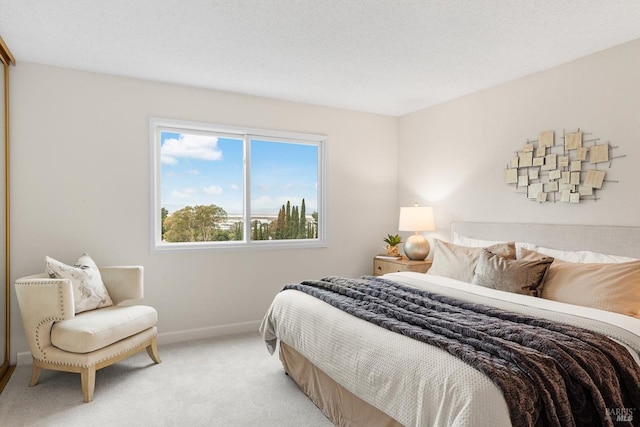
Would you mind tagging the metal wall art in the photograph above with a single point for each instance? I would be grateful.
(567, 172)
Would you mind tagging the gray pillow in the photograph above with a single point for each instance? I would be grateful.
(517, 276)
(459, 262)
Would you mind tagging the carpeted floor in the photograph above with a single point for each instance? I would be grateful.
(227, 381)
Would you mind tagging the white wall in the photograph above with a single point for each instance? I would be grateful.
(452, 156)
(80, 175)
(81, 179)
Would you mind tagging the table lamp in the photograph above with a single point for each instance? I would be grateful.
(416, 218)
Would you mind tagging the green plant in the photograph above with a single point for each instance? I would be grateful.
(392, 240)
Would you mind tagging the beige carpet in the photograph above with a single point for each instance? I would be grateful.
(228, 381)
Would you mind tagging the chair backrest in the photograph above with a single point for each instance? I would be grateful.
(42, 302)
(124, 283)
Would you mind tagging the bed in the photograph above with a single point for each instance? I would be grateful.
(361, 374)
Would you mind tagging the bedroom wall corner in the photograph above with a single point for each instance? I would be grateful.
(452, 155)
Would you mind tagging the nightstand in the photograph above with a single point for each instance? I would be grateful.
(384, 266)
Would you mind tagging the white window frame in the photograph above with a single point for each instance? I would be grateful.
(158, 125)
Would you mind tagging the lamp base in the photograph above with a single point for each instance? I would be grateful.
(416, 248)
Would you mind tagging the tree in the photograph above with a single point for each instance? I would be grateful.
(292, 224)
(163, 215)
(235, 232)
(195, 224)
(254, 232)
(302, 233)
(266, 231)
(295, 223)
(313, 227)
(280, 224)
(262, 230)
(287, 221)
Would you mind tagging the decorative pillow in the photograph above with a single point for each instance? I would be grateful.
(89, 291)
(517, 276)
(584, 257)
(459, 262)
(528, 255)
(612, 287)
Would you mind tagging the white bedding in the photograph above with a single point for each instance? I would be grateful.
(415, 383)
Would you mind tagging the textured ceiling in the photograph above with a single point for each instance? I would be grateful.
(383, 56)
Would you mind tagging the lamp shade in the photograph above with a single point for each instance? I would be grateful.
(416, 218)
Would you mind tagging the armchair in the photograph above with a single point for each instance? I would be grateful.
(90, 340)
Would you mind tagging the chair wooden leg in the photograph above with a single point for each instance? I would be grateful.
(152, 351)
(88, 379)
(35, 374)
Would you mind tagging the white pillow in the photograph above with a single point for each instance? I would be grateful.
(89, 291)
(471, 242)
(584, 257)
(478, 243)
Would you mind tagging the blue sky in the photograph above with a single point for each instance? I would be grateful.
(200, 169)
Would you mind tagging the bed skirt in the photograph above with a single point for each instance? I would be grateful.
(337, 403)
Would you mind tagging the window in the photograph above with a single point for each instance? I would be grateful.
(218, 186)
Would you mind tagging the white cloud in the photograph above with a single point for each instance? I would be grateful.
(167, 160)
(183, 193)
(235, 187)
(199, 147)
(213, 190)
(193, 172)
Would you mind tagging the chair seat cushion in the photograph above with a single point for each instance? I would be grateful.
(95, 329)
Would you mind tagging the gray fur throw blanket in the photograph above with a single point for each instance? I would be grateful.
(549, 373)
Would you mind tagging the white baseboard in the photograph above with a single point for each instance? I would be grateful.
(24, 358)
(208, 332)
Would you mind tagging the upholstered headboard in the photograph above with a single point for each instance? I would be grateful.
(613, 240)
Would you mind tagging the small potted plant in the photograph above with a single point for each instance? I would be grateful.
(392, 244)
